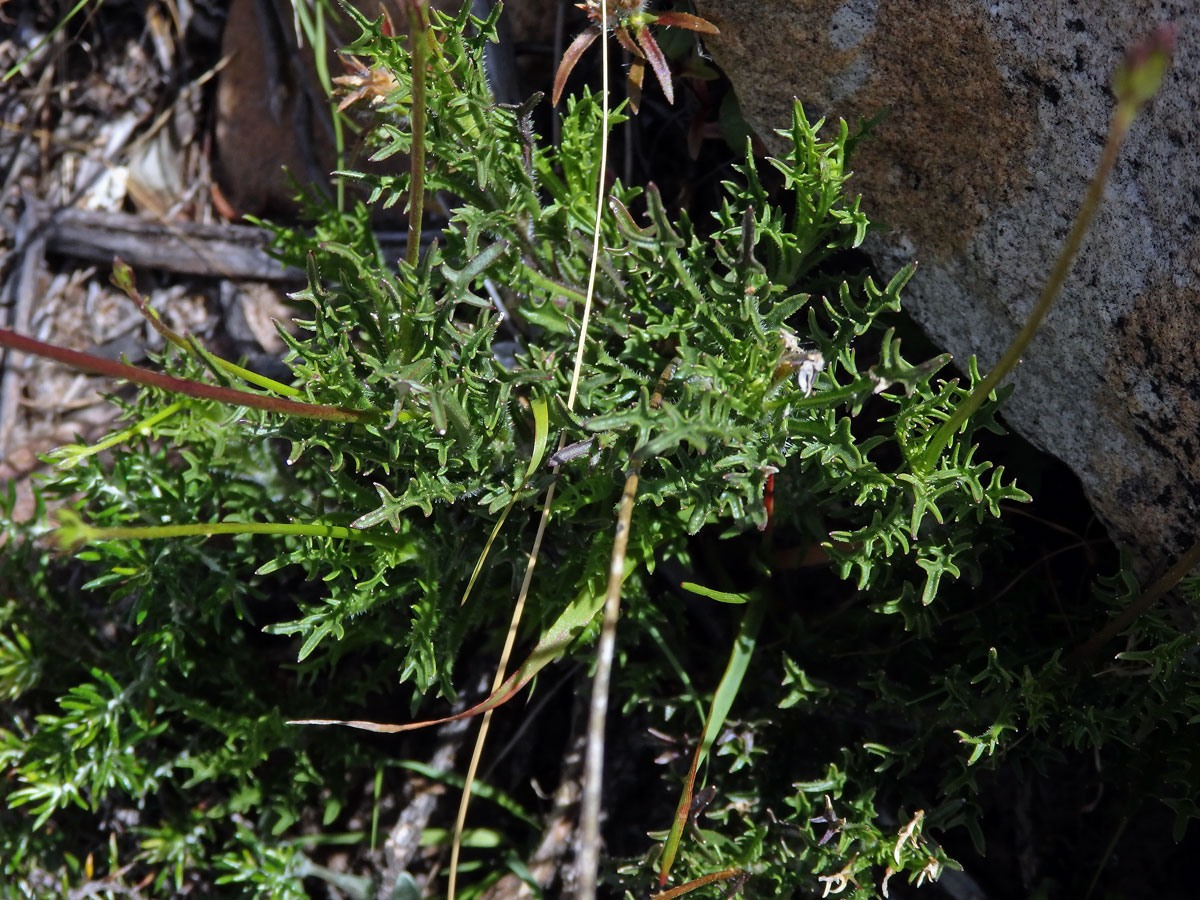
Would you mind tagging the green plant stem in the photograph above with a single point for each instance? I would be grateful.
(1122, 120)
(66, 457)
(418, 52)
(122, 278)
(555, 287)
(98, 365)
(321, 60)
(74, 530)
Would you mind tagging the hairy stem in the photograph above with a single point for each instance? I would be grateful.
(418, 28)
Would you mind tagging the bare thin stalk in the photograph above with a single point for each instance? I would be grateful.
(600, 191)
(501, 667)
(1149, 597)
(593, 765)
(1058, 276)
(1137, 79)
(465, 800)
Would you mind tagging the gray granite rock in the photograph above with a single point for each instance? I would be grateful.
(998, 114)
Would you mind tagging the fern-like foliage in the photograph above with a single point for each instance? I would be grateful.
(158, 691)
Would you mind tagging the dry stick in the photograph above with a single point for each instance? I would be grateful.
(1170, 578)
(593, 767)
(25, 288)
(464, 802)
(186, 248)
(404, 839)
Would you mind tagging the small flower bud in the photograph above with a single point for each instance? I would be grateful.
(1141, 73)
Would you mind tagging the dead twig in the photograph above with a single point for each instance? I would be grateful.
(187, 248)
(26, 283)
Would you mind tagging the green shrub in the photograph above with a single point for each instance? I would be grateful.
(149, 735)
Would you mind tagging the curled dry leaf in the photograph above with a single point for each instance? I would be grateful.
(628, 21)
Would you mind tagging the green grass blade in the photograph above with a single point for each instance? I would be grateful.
(478, 789)
(62, 23)
(541, 429)
(722, 702)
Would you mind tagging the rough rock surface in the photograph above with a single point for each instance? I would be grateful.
(998, 115)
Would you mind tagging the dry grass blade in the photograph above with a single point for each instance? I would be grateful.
(553, 643)
(477, 753)
(541, 427)
(570, 58)
(738, 876)
(658, 62)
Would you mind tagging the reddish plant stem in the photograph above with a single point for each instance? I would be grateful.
(98, 365)
(1149, 597)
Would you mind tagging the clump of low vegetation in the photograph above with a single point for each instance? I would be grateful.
(811, 613)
